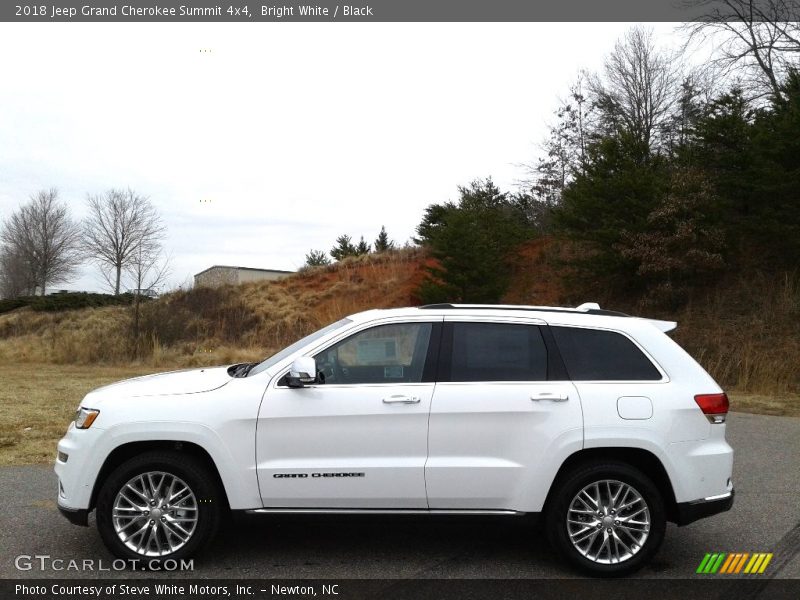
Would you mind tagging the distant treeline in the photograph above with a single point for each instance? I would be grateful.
(661, 178)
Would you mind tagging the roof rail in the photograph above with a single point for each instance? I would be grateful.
(590, 308)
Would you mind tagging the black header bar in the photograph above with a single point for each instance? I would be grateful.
(366, 11)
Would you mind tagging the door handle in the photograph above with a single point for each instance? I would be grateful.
(400, 399)
(550, 396)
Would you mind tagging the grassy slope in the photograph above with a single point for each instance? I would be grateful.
(745, 332)
(214, 326)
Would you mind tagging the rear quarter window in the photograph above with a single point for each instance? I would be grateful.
(598, 355)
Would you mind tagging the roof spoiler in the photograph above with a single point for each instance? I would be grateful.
(664, 326)
(594, 308)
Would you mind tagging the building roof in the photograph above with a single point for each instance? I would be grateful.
(243, 269)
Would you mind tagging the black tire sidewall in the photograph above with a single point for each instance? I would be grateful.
(569, 486)
(191, 471)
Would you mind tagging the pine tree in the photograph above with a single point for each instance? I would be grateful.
(382, 242)
(317, 258)
(472, 242)
(344, 247)
(363, 247)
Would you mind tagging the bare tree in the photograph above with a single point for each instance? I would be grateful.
(563, 152)
(42, 236)
(15, 275)
(756, 41)
(638, 88)
(148, 268)
(119, 225)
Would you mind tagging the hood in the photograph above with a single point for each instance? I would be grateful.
(192, 381)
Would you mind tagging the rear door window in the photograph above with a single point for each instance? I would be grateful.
(497, 352)
(598, 355)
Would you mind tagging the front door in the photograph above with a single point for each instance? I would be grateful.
(358, 439)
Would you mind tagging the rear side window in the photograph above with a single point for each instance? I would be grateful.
(596, 355)
(497, 352)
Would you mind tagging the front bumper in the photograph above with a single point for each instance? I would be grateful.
(77, 464)
(689, 512)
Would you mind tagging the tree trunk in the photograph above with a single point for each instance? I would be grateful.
(119, 275)
(137, 350)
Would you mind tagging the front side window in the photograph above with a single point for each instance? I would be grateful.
(392, 353)
(497, 352)
(597, 355)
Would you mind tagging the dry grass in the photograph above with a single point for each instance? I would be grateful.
(786, 405)
(38, 401)
(746, 333)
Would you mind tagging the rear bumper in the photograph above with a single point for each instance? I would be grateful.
(689, 512)
(76, 516)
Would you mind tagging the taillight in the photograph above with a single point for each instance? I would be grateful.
(714, 406)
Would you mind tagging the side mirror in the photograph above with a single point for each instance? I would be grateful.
(303, 371)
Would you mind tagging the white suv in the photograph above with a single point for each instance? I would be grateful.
(596, 419)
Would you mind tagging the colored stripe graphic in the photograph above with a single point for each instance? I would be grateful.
(711, 563)
(718, 563)
(734, 562)
(740, 564)
(728, 563)
(764, 564)
(703, 563)
(754, 564)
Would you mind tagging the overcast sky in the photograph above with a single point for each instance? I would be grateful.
(279, 137)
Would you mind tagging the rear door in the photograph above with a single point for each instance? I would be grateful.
(502, 419)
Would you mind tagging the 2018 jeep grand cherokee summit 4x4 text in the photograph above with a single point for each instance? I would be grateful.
(597, 420)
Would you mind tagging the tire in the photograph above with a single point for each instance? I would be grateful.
(627, 498)
(166, 530)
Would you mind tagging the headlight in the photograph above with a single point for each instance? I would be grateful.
(85, 417)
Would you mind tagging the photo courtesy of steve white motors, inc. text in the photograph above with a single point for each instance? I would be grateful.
(144, 590)
(272, 11)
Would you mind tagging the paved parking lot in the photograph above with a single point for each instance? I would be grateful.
(765, 517)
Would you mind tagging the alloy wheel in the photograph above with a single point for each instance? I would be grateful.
(155, 513)
(608, 521)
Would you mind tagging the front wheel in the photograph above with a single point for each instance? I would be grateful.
(157, 506)
(608, 519)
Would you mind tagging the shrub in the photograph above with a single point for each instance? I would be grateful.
(69, 301)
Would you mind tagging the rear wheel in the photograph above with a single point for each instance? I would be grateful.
(608, 519)
(159, 505)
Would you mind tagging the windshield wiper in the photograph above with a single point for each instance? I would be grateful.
(240, 370)
(247, 368)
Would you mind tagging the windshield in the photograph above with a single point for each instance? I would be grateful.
(276, 358)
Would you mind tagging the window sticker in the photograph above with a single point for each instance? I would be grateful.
(394, 372)
(376, 351)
